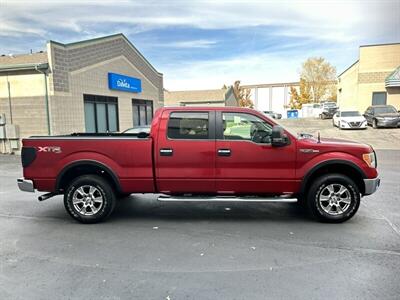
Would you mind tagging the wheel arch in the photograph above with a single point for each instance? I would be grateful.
(346, 168)
(86, 167)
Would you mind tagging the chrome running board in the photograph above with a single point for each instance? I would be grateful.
(282, 199)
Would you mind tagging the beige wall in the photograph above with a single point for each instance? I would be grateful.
(381, 58)
(68, 108)
(22, 85)
(358, 83)
(393, 97)
(348, 88)
(28, 106)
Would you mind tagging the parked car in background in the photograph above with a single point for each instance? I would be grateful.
(138, 129)
(382, 116)
(272, 114)
(350, 119)
(327, 110)
(311, 110)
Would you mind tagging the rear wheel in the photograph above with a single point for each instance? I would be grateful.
(333, 198)
(89, 199)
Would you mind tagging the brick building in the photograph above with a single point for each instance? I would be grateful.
(373, 79)
(217, 97)
(97, 85)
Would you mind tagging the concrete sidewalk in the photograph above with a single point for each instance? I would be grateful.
(382, 138)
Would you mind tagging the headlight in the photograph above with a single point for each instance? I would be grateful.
(370, 159)
(343, 121)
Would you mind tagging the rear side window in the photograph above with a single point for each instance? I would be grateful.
(188, 125)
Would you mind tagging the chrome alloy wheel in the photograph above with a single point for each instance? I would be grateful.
(87, 200)
(335, 199)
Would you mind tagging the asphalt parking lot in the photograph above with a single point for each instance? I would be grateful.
(382, 138)
(152, 250)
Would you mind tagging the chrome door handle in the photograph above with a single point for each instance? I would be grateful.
(166, 152)
(224, 152)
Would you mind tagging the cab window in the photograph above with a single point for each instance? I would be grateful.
(246, 127)
(188, 125)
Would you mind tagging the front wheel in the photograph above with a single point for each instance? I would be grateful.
(333, 198)
(375, 124)
(89, 199)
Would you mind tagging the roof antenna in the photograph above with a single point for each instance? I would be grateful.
(319, 137)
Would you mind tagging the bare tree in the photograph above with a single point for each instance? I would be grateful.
(242, 95)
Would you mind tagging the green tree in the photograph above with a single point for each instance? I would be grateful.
(319, 78)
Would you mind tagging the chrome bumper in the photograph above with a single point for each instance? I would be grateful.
(371, 185)
(25, 185)
(388, 123)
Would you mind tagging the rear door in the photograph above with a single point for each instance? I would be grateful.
(185, 152)
(246, 162)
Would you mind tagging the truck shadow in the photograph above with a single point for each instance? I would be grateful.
(147, 207)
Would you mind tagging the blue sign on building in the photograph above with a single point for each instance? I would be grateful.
(292, 114)
(124, 83)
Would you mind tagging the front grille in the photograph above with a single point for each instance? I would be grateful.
(355, 124)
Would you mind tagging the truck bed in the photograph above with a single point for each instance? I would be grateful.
(126, 156)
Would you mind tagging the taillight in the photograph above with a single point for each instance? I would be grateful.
(28, 155)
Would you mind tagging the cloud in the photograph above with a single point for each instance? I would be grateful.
(188, 44)
(324, 19)
(209, 43)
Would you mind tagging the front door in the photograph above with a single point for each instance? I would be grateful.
(185, 152)
(246, 162)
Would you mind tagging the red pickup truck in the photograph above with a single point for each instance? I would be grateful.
(201, 154)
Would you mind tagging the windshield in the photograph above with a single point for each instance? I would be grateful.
(384, 110)
(350, 114)
(329, 104)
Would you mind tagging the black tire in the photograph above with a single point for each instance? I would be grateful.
(104, 190)
(374, 123)
(320, 186)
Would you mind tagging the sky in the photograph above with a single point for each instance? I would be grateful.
(206, 44)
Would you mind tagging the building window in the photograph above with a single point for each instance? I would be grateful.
(101, 113)
(188, 125)
(379, 98)
(142, 112)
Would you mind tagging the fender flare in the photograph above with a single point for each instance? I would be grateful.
(323, 164)
(95, 163)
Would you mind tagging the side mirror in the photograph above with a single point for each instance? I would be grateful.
(278, 137)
